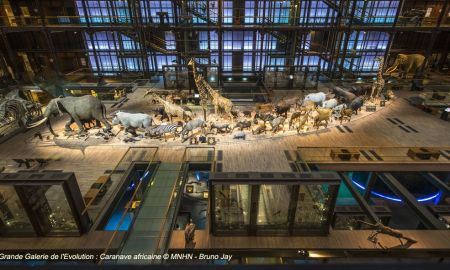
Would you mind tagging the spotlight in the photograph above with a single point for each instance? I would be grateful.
(244, 79)
(230, 79)
(213, 79)
(291, 77)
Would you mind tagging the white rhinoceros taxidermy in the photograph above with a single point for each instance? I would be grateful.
(406, 63)
(132, 121)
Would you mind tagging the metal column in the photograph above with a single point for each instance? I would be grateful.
(423, 214)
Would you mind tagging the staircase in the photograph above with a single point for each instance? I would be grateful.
(158, 44)
(332, 4)
(193, 10)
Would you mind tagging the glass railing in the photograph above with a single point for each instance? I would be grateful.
(199, 154)
(20, 21)
(160, 235)
(375, 154)
(118, 235)
(197, 18)
(133, 154)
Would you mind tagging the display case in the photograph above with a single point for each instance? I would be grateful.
(348, 217)
(41, 204)
(272, 203)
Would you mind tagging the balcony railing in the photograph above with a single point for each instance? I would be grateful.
(366, 20)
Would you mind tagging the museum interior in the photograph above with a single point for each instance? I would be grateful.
(224, 132)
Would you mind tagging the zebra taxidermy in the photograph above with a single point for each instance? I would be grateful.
(162, 130)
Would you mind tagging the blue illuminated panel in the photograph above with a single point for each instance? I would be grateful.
(151, 9)
(103, 11)
(162, 59)
(170, 40)
(276, 12)
(227, 61)
(428, 198)
(201, 9)
(316, 12)
(107, 45)
(376, 12)
(365, 47)
(227, 12)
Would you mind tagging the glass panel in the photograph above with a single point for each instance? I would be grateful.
(13, 218)
(59, 212)
(232, 207)
(313, 207)
(273, 208)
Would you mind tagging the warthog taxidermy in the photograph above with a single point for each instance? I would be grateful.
(345, 114)
(243, 124)
(220, 127)
(277, 123)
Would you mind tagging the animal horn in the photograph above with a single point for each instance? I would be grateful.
(38, 123)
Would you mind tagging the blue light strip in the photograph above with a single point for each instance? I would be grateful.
(395, 199)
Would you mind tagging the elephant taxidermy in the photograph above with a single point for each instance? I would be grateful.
(406, 63)
(80, 109)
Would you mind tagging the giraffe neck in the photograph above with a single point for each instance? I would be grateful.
(380, 70)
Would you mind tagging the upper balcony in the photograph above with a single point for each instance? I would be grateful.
(267, 14)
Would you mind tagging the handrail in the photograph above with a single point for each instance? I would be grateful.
(19, 20)
(129, 203)
(373, 146)
(115, 167)
(213, 163)
(372, 154)
(161, 230)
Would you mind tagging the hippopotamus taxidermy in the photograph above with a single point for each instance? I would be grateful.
(346, 96)
(356, 104)
(80, 109)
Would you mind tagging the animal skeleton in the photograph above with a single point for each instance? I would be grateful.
(379, 228)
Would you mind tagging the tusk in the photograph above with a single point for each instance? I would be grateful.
(38, 123)
(391, 69)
